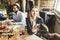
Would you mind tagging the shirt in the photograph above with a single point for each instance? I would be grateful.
(29, 25)
(19, 17)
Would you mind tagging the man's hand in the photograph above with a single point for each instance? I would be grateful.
(51, 34)
(10, 23)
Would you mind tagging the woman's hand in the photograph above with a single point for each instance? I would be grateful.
(35, 27)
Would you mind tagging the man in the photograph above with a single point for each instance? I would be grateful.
(17, 15)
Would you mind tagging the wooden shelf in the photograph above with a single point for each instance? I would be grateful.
(47, 4)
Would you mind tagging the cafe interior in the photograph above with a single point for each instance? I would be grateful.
(49, 10)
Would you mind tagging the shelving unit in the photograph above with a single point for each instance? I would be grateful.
(47, 4)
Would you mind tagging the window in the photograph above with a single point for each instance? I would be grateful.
(57, 7)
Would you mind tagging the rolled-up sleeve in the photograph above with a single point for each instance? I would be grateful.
(23, 19)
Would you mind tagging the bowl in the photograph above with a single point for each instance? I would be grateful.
(1, 15)
(2, 18)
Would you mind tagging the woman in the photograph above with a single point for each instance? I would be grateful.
(34, 21)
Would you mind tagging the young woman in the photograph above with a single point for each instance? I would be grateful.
(34, 21)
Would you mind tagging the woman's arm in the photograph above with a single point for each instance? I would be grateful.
(35, 27)
(28, 26)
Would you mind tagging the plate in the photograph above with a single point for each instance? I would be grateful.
(18, 28)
